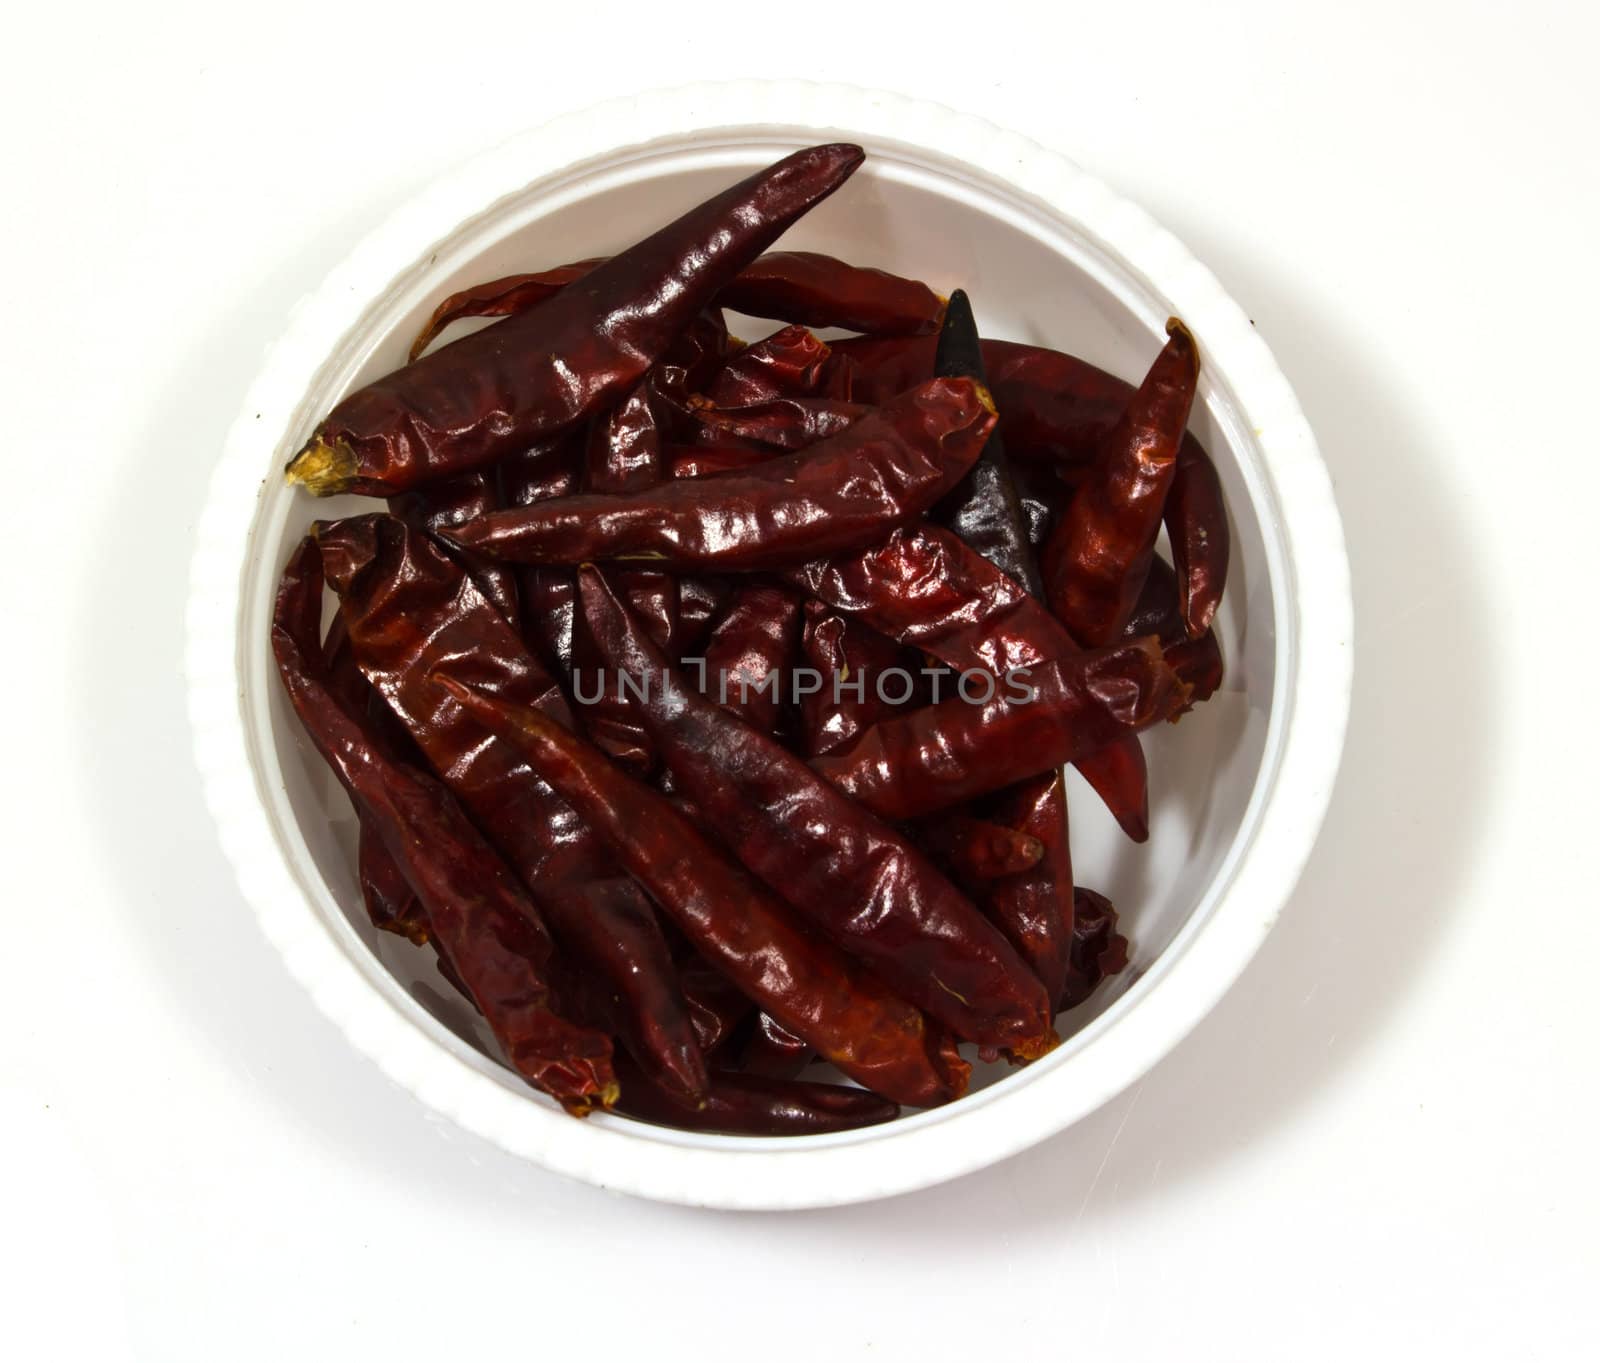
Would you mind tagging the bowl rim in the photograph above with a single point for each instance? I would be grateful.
(1312, 602)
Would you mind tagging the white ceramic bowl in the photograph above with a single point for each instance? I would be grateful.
(1048, 254)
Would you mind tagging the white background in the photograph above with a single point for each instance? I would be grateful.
(1383, 1142)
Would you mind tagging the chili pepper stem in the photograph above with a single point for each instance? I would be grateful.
(323, 469)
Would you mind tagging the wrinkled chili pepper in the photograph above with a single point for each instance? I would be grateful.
(1057, 408)
(787, 364)
(499, 298)
(548, 596)
(983, 508)
(773, 1051)
(701, 601)
(925, 588)
(1158, 612)
(716, 1007)
(410, 610)
(449, 502)
(944, 755)
(812, 988)
(1097, 559)
(750, 1105)
(839, 495)
(752, 652)
(821, 291)
(978, 850)
(705, 461)
(851, 658)
(1035, 909)
(481, 919)
(1098, 949)
(541, 371)
(783, 423)
(859, 881)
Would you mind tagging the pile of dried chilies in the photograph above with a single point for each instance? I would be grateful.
(557, 685)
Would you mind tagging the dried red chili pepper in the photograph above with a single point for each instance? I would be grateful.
(836, 496)
(787, 364)
(851, 658)
(749, 1105)
(925, 588)
(820, 291)
(752, 652)
(548, 595)
(541, 371)
(499, 298)
(984, 508)
(1097, 559)
(944, 755)
(812, 988)
(1158, 612)
(483, 922)
(783, 423)
(1098, 949)
(978, 850)
(716, 1007)
(856, 879)
(701, 601)
(1057, 408)
(773, 1051)
(705, 461)
(449, 502)
(410, 610)
(1035, 909)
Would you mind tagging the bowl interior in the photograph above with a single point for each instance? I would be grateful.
(1032, 277)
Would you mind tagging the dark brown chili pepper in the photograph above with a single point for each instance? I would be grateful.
(1098, 949)
(820, 291)
(851, 659)
(1035, 909)
(701, 601)
(858, 880)
(449, 502)
(947, 754)
(548, 595)
(716, 1007)
(977, 850)
(480, 918)
(783, 423)
(787, 364)
(499, 298)
(983, 508)
(1097, 559)
(925, 588)
(837, 496)
(751, 655)
(496, 391)
(1058, 409)
(749, 1105)
(812, 988)
(773, 1051)
(410, 610)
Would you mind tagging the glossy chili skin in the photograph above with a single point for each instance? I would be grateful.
(499, 298)
(976, 851)
(751, 1105)
(851, 658)
(547, 596)
(782, 423)
(1098, 949)
(944, 755)
(747, 660)
(1096, 561)
(984, 508)
(855, 878)
(411, 611)
(787, 364)
(925, 588)
(449, 502)
(478, 915)
(1058, 409)
(706, 461)
(1035, 908)
(822, 291)
(498, 390)
(773, 1051)
(839, 495)
(877, 1039)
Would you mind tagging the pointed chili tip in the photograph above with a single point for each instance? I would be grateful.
(1135, 823)
(323, 469)
(1177, 331)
